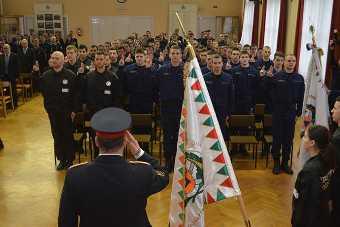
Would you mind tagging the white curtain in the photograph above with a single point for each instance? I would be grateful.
(272, 24)
(248, 21)
(319, 14)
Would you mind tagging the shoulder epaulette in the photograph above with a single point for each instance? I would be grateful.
(77, 165)
(139, 162)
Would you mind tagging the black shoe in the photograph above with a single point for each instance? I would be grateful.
(68, 164)
(286, 168)
(61, 165)
(276, 168)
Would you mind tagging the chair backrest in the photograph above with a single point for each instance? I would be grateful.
(5, 87)
(79, 121)
(259, 111)
(141, 120)
(242, 121)
(267, 121)
(267, 124)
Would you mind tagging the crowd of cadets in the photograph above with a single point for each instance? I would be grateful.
(141, 73)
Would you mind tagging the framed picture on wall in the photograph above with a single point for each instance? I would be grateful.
(56, 17)
(40, 17)
(49, 25)
(41, 25)
(48, 17)
(57, 25)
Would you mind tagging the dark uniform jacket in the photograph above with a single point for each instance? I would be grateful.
(246, 82)
(170, 83)
(287, 90)
(140, 85)
(101, 90)
(58, 90)
(312, 194)
(110, 192)
(221, 91)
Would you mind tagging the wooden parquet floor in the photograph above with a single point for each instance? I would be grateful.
(30, 186)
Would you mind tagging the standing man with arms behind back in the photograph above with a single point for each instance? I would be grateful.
(60, 101)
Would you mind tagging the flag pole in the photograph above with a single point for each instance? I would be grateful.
(192, 56)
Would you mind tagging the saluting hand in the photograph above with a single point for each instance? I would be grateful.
(148, 62)
(270, 71)
(81, 68)
(131, 143)
(262, 72)
(121, 61)
(227, 66)
(36, 66)
(161, 57)
(128, 59)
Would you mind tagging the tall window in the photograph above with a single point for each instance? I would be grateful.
(319, 14)
(272, 24)
(248, 20)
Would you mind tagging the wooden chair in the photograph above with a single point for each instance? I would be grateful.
(27, 83)
(80, 134)
(267, 136)
(6, 96)
(246, 123)
(143, 121)
(259, 113)
(20, 89)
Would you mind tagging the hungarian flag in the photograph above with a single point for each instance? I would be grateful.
(315, 104)
(203, 171)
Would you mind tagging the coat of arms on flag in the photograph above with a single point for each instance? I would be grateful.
(203, 171)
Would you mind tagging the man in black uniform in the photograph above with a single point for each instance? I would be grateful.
(101, 90)
(246, 80)
(336, 177)
(83, 57)
(58, 89)
(111, 191)
(221, 91)
(288, 89)
(171, 91)
(139, 83)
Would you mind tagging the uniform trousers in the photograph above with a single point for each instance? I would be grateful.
(283, 133)
(170, 119)
(62, 132)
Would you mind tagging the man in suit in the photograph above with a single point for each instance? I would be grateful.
(111, 191)
(26, 57)
(9, 70)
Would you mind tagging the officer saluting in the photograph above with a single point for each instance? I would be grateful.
(111, 191)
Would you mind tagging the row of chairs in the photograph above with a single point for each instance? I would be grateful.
(24, 90)
(255, 130)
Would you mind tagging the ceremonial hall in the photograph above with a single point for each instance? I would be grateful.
(156, 113)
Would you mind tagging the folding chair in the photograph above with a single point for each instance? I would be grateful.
(246, 123)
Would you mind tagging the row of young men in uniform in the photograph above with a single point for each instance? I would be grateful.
(232, 90)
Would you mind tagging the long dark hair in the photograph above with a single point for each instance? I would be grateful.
(322, 137)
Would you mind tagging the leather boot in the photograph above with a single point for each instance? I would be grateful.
(276, 168)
